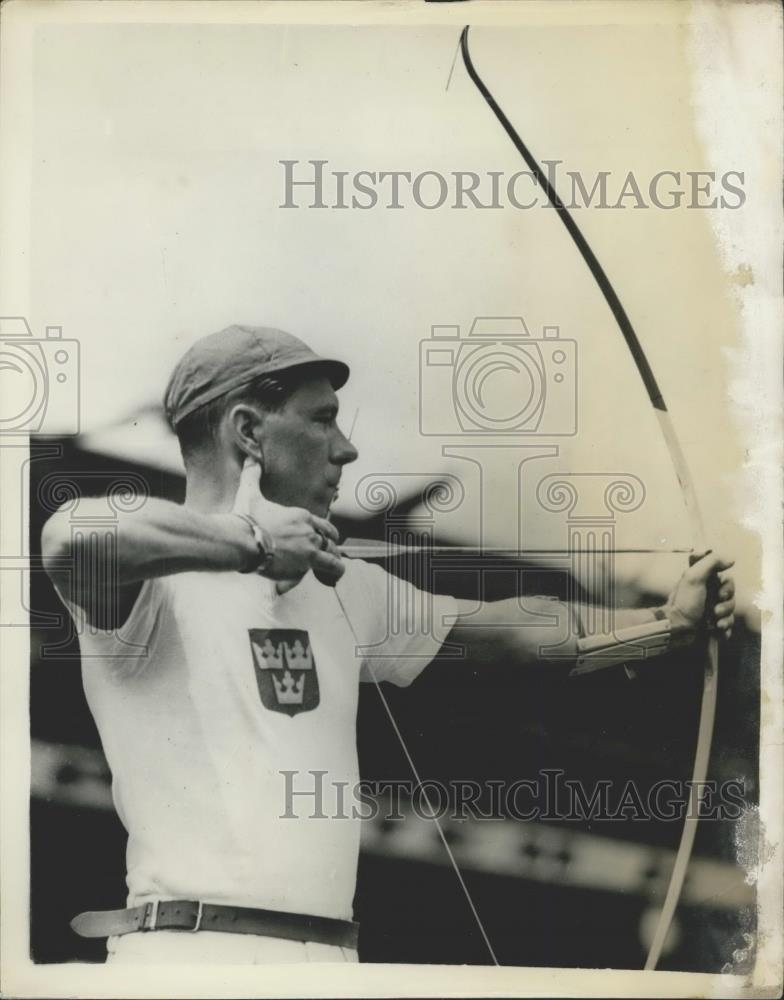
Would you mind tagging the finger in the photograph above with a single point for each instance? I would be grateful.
(324, 527)
(284, 586)
(321, 543)
(723, 609)
(726, 624)
(327, 580)
(712, 562)
(249, 485)
(726, 590)
(329, 546)
(327, 561)
(707, 565)
(328, 566)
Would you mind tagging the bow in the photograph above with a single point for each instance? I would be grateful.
(683, 475)
(358, 548)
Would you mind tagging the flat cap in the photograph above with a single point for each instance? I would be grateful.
(231, 358)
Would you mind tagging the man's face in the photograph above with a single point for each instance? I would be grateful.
(304, 450)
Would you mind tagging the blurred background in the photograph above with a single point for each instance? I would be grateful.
(154, 218)
(565, 892)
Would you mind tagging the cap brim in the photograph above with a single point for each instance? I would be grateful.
(336, 371)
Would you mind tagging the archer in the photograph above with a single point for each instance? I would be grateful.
(251, 620)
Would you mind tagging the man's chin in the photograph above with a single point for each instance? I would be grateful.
(320, 508)
(327, 503)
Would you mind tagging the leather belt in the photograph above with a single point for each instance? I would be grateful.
(187, 915)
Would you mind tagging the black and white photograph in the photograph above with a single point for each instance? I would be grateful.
(391, 544)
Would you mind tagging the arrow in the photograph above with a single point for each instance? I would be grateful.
(367, 548)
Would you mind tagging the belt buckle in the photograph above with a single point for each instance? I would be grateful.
(150, 917)
(149, 920)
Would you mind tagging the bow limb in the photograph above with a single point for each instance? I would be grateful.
(707, 711)
(683, 474)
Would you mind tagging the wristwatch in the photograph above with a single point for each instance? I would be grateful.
(265, 545)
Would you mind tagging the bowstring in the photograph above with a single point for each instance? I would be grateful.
(420, 785)
(407, 753)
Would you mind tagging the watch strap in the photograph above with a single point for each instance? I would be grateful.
(265, 545)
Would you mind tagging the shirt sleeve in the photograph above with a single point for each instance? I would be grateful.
(400, 627)
(128, 647)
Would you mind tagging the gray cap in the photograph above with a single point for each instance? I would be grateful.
(231, 358)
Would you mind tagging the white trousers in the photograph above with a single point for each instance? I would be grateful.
(215, 948)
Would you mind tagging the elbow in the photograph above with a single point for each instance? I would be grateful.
(56, 544)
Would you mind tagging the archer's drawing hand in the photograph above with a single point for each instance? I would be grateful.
(704, 598)
(302, 541)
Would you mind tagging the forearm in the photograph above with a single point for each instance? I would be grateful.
(158, 539)
(524, 630)
(540, 630)
(627, 618)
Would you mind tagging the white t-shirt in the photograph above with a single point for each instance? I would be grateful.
(238, 685)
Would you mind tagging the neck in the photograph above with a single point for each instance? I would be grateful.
(210, 487)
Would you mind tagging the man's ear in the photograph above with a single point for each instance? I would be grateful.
(244, 422)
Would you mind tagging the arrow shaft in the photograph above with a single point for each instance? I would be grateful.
(359, 549)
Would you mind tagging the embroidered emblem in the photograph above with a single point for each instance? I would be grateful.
(285, 669)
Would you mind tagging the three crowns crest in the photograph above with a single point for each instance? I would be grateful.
(285, 669)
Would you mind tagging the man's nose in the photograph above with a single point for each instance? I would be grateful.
(344, 451)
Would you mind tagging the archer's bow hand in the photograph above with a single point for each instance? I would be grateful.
(703, 599)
